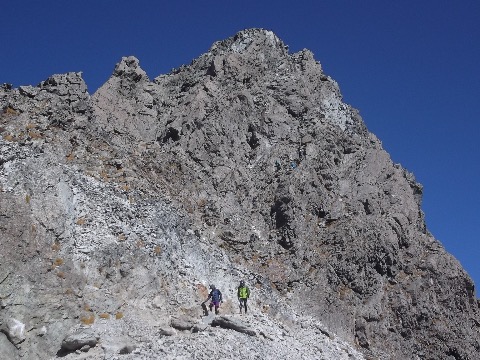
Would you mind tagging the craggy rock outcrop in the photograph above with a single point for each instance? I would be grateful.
(117, 210)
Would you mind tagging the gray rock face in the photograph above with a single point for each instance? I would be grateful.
(7, 349)
(117, 210)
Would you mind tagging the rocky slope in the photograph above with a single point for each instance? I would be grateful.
(118, 209)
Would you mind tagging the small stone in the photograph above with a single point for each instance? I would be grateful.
(167, 332)
(42, 331)
(127, 349)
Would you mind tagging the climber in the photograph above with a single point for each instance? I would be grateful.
(216, 298)
(243, 294)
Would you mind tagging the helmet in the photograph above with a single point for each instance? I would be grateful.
(242, 283)
(212, 287)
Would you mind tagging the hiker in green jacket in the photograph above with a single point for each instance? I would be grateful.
(243, 294)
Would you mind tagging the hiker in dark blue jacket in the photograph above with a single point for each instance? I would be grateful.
(216, 298)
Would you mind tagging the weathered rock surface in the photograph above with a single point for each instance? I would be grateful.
(79, 339)
(183, 323)
(234, 324)
(117, 210)
(7, 349)
(14, 330)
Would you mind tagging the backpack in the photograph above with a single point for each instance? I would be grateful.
(243, 292)
(216, 295)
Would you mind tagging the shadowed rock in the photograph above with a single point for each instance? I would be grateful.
(233, 324)
(183, 323)
(79, 339)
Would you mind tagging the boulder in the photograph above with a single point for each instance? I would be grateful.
(183, 323)
(14, 330)
(233, 324)
(79, 339)
(167, 331)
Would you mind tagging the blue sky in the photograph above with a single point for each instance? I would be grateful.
(412, 68)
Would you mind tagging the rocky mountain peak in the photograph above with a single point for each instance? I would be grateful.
(250, 41)
(118, 210)
(60, 83)
(129, 68)
(256, 49)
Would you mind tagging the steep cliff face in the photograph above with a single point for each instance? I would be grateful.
(118, 209)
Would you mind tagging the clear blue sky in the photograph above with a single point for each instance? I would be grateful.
(412, 68)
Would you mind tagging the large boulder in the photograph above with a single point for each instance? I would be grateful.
(80, 338)
(233, 324)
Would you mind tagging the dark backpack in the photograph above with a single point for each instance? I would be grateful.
(216, 295)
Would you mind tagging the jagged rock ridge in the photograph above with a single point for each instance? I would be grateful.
(118, 209)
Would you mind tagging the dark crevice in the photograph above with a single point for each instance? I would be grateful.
(454, 352)
(172, 134)
(252, 138)
(367, 207)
